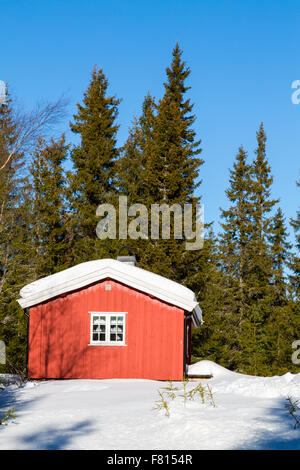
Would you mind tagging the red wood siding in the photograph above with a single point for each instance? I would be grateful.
(59, 336)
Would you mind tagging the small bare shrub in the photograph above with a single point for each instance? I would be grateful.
(170, 390)
(292, 408)
(6, 416)
(162, 404)
(211, 396)
(185, 392)
(205, 393)
(198, 390)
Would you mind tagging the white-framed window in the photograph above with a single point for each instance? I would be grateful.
(107, 328)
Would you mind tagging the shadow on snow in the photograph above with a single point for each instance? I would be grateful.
(49, 438)
(284, 437)
(53, 438)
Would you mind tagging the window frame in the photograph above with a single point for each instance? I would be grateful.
(107, 315)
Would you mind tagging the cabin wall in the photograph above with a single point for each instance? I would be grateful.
(59, 336)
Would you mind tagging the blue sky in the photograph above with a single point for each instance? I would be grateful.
(244, 56)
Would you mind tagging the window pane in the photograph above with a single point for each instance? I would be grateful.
(114, 332)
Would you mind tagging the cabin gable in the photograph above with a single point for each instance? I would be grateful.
(60, 343)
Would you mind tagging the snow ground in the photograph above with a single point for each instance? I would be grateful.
(118, 414)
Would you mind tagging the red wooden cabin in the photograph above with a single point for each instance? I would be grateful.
(109, 319)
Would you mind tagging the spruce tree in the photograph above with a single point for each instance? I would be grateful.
(235, 245)
(280, 328)
(295, 262)
(210, 341)
(172, 168)
(260, 295)
(132, 176)
(294, 278)
(49, 232)
(173, 163)
(131, 167)
(160, 165)
(94, 162)
(262, 205)
(280, 254)
(257, 318)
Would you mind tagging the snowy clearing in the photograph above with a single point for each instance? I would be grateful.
(119, 414)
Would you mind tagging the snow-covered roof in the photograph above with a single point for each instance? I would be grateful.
(92, 271)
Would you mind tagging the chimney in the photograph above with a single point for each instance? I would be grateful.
(131, 260)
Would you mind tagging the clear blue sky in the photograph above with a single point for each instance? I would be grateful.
(244, 56)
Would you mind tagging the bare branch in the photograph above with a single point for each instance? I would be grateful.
(30, 126)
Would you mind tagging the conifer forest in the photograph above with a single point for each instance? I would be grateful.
(246, 275)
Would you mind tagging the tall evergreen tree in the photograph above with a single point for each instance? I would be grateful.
(235, 246)
(295, 262)
(50, 235)
(160, 165)
(262, 205)
(131, 166)
(294, 278)
(132, 176)
(280, 328)
(94, 161)
(260, 295)
(280, 254)
(173, 163)
(209, 284)
(172, 168)
(257, 318)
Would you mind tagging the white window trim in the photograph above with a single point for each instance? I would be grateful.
(107, 315)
